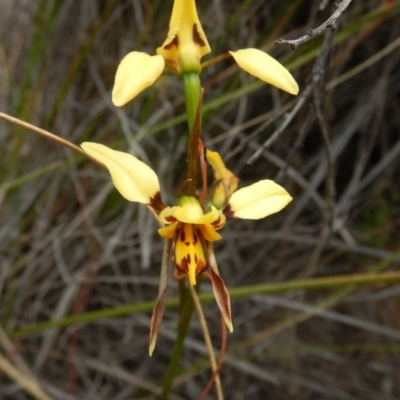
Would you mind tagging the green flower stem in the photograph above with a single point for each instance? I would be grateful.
(186, 308)
(193, 93)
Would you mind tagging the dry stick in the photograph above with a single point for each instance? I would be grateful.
(207, 341)
(22, 379)
(47, 135)
(312, 33)
(220, 358)
(318, 75)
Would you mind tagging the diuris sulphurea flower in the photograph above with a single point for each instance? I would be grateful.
(181, 53)
(189, 227)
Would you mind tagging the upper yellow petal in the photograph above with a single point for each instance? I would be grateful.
(135, 73)
(186, 42)
(266, 68)
(257, 201)
(135, 180)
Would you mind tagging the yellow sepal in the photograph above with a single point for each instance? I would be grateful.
(266, 68)
(136, 72)
(135, 180)
(257, 201)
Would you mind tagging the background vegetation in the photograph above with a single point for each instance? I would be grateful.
(72, 247)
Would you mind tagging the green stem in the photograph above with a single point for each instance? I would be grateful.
(193, 93)
(186, 308)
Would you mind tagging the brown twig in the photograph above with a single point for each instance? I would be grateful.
(312, 33)
(207, 341)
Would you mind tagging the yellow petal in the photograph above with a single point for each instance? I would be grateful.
(266, 68)
(208, 232)
(169, 231)
(135, 73)
(257, 201)
(186, 42)
(135, 180)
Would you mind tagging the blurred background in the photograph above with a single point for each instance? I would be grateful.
(70, 245)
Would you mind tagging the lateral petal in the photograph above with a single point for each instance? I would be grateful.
(257, 201)
(135, 73)
(220, 292)
(266, 68)
(135, 180)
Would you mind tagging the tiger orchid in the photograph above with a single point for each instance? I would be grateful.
(189, 227)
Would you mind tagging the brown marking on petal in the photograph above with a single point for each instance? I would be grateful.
(195, 233)
(183, 265)
(188, 259)
(217, 222)
(182, 236)
(170, 218)
(172, 43)
(156, 202)
(196, 37)
(201, 266)
(195, 258)
(229, 214)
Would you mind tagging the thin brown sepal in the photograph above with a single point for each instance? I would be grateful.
(220, 292)
(158, 310)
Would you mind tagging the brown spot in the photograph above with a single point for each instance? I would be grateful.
(229, 214)
(196, 37)
(188, 259)
(195, 239)
(201, 267)
(217, 222)
(157, 203)
(183, 265)
(172, 43)
(195, 258)
(182, 235)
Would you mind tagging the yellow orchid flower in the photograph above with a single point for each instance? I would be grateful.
(181, 52)
(188, 227)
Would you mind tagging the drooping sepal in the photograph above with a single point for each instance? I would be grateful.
(266, 68)
(220, 292)
(158, 310)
